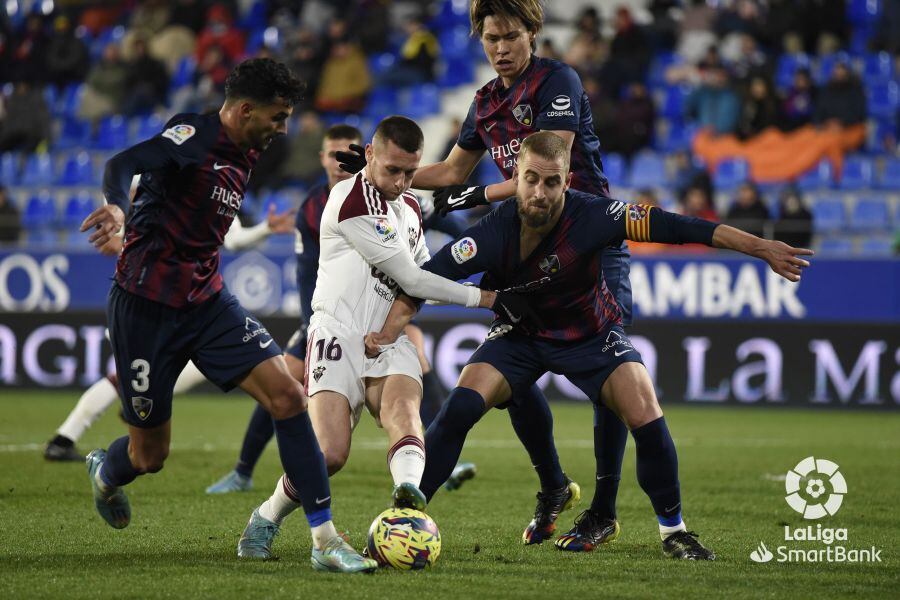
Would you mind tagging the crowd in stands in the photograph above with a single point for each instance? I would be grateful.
(704, 102)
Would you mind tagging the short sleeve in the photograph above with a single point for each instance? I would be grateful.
(468, 133)
(559, 101)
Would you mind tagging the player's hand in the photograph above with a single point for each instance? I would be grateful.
(514, 308)
(107, 220)
(459, 197)
(113, 247)
(375, 343)
(785, 260)
(353, 161)
(283, 223)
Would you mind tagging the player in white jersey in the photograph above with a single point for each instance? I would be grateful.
(371, 246)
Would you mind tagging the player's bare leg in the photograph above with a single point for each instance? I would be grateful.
(395, 401)
(272, 385)
(296, 367)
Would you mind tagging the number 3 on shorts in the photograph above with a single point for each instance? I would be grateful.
(141, 382)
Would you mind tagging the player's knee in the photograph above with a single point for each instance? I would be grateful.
(150, 461)
(286, 400)
(461, 410)
(335, 458)
(643, 409)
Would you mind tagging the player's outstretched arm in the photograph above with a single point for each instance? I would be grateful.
(782, 258)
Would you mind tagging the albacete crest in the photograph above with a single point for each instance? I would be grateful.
(523, 115)
(318, 372)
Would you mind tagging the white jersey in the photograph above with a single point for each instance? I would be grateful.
(360, 228)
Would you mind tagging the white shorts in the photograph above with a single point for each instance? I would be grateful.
(336, 362)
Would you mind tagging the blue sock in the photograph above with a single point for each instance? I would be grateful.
(117, 469)
(610, 436)
(432, 397)
(304, 463)
(657, 470)
(259, 431)
(533, 422)
(445, 437)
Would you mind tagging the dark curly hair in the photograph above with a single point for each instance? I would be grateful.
(264, 80)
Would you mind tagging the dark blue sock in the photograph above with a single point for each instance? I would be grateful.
(432, 397)
(610, 436)
(259, 431)
(117, 469)
(303, 463)
(657, 470)
(445, 437)
(533, 422)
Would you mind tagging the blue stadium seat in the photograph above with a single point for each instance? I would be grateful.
(890, 177)
(870, 214)
(73, 133)
(282, 200)
(457, 44)
(872, 247)
(878, 68)
(827, 63)
(78, 169)
(78, 207)
(38, 170)
(452, 12)
(730, 173)
(787, 66)
(184, 73)
(379, 63)
(648, 169)
(112, 133)
(673, 102)
(456, 72)
(876, 134)
(857, 173)
(255, 17)
(883, 99)
(40, 212)
(862, 12)
(70, 99)
(145, 128)
(828, 215)
(836, 247)
(614, 168)
(661, 62)
(677, 136)
(819, 177)
(382, 101)
(420, 101)
(9, 168)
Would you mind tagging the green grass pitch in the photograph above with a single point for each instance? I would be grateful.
(181, 543)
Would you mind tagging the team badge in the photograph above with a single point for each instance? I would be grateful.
(549, 264)
(318, 372)
(142, 407)
(179, 133)
(463, 250)
(636, 212)
(413, 237)
(523, 115)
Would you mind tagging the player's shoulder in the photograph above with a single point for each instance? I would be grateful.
(413, 202)
(555, 72)
(355, 197)
(316, 195)
(191, 127)
(593, 203)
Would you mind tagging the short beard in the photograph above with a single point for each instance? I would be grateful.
(535, 222)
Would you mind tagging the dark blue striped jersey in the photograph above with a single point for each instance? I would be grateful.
(309, 217)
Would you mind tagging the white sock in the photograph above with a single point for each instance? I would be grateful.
(93, 403)
(321, 534)
(406, 460)
(665, 531)
(279, 505)
(190, 378)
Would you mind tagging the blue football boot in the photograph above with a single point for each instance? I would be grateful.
(112, 504)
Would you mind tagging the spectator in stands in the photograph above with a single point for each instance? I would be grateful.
(696, 30)
(588, 22)
(842, 100)
(208, 88)
(794, 225)
(25, 124)
(67, 56)
(372, 24)
(10, 222)
(635, 118)
(220, 32)
(687, 175)
(748, 211)
(303, 54)
(25, 56)
(604, 111)
(799, 101)
(147, 84)
(693, 73)
(742, 16)
(345, 79)
(698, 203)
(629, 49)
(546, 49)
(744, 57)
(150, 17)
(418, 56)
(106, 86)
(782, 18)
(303, 165)
(760, 108)
(714, 104)
(189, 13)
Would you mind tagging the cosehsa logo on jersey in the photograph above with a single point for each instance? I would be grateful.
(815, 489)
(616, 209)
(384, 229)
(562, 107)
(463, 250)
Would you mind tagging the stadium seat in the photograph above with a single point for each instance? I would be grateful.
(883, 99)
(456, 43)
(382, 101)
(676, 136)
(877, 247)
(730, 173)
(673, 102)
(184, 73)
(614, 168)
(379, 63)
(145, 128)
(836, 247)
(857, 173)
(863, 12)
(648, 170)
(828, 215)
(827, 63)
(876, 135)
(420, 101)
(40, 212)
(453, 12)
(78, 169)
(9, 168)
(878, 68)
(282, 200)
(38, 170)
(787, 66)
(870, 214)
(659, 65)
(73, 133)
(890, 177)
(456, 72)
(255, 17)
(112, 133)
(818, 177)
(71, 99)
(78, 207)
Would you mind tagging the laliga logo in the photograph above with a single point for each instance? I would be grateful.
(816, 472)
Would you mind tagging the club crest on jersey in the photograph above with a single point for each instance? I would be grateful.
(384, 229)
(318, 372)
(636, 212)
(142, 407)
(549, 264)
(179, 133)
(463, 250)
(413, 237)
(523, 115)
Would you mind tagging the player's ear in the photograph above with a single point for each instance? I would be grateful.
(370, 153)
(568, 180)
(245, 108)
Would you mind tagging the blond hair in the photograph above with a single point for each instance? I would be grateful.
(548, 145)
(529, 12)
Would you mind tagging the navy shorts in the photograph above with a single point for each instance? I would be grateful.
(616, 263)
(153, 342)
(296, 346)
(587, 364)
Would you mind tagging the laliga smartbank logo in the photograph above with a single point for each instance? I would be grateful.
(815, 488)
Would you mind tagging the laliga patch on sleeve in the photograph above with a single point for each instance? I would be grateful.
(179, 133)
(384, 230)
(615, 209)
(463, 250)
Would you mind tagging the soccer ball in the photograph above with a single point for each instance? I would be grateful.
(404, 539)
